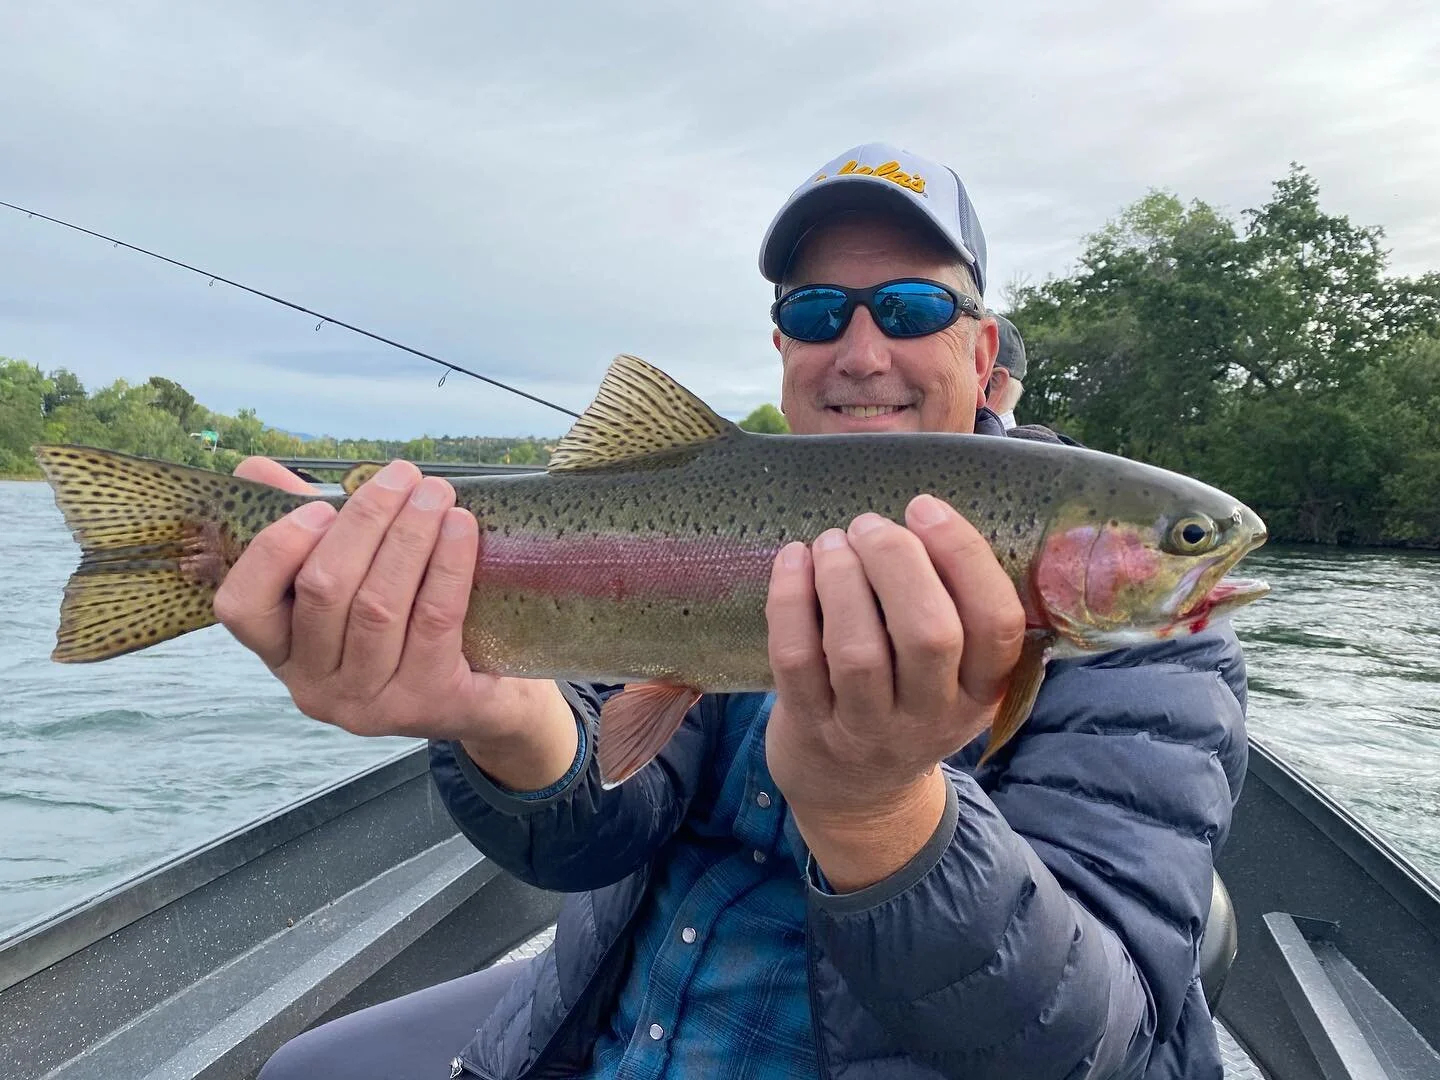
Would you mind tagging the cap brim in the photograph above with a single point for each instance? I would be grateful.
(836, 195)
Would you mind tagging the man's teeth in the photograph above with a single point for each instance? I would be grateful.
(864, 411)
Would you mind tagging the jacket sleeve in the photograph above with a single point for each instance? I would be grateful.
(577, 836)
(1051, 926)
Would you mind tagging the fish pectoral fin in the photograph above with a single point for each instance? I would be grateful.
(638, 411)
(1019, 699)
(636, 724)
(358, 474)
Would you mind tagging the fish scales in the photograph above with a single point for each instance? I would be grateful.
(662, 571)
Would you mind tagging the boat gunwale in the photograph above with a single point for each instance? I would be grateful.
(1383, 863)
(36, 945)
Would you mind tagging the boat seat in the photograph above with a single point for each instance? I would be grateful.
(1219, 942)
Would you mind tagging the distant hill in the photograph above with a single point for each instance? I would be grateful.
(303, 436)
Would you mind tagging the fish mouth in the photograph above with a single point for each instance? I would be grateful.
(1224, 597)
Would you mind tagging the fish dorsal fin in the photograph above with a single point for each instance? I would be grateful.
(638, 411)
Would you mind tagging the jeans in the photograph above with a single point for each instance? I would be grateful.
(414, 1037)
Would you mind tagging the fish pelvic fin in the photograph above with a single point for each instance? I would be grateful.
(156, 540)
(636, 724)
(638, 411)
(1019, 699)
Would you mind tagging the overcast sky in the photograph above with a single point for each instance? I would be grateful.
(528, 189)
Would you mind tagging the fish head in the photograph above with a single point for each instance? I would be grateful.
(1140, 557)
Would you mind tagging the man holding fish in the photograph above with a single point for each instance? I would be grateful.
(912, 858)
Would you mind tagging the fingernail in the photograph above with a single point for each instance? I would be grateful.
(314, 516)
(792, 556)
(429, 495)
(397, 476)
(455, 523)
(830, 540)
(867, 523)
(928, 510)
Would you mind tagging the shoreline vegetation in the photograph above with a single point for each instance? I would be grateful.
(1273, 357)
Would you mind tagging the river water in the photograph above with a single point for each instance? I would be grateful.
(106, 769)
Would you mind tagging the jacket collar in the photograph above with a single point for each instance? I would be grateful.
(987, 423)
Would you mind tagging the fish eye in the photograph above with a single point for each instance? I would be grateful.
(1193, 534)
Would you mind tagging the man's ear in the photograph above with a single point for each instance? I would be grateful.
(987, 347)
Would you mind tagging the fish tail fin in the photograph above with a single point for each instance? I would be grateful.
(156, 539)
(636, 724)
(1020, 695)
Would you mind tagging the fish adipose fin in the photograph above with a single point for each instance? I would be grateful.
(638, 411)
(1019, 698)
(636, 724)
(153, 548)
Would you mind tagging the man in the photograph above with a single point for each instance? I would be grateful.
(822, 881)
(1003, 391)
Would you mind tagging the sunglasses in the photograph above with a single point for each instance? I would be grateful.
(905, 307)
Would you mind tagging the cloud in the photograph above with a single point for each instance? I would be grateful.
(528, 190)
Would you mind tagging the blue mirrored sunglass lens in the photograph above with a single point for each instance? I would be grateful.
(912, 308)
(812, 315)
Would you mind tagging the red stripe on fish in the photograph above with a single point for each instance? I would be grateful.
(614, 567)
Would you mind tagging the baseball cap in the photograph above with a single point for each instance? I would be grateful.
(1012, 347)
(878, 176)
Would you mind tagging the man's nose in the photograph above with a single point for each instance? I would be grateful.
(862, 350)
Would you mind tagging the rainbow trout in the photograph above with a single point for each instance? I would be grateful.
(643, 554)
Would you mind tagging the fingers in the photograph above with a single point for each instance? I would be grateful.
(985, 598)
(920, 615)
(326, 586)
(253, 602)
(857, 647)
(264, 471)
(381, 611)
(797, 655)
(437, 616)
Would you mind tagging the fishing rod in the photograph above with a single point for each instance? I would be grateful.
(297, 307)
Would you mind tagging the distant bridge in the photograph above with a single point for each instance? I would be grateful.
(306, 467)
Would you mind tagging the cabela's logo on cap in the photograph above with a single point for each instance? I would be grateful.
(890, 170)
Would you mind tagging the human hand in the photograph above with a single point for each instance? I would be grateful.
(891, 649)
(359, 613)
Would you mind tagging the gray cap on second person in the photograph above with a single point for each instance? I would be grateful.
(1012, 347)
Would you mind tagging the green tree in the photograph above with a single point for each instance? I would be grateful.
(767, 420)
(1277, 359)
(65, 389)
(243, 433)
(173, 399)
(22, 415)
